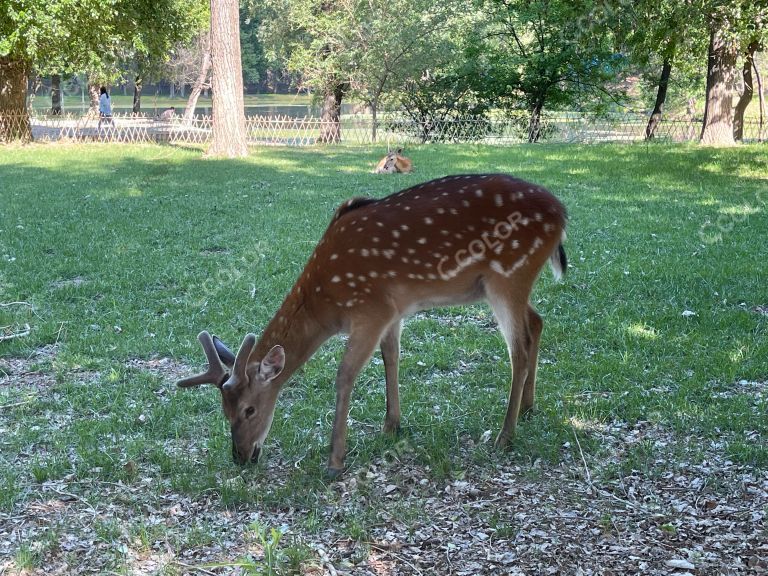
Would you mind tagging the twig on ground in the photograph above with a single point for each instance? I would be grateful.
(12, 335)
(91, 509)
(396, 556)
(9, 304)
(192, 567)
(583, 460)
(15, 404)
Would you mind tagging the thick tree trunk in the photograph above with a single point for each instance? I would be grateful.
(746, 96)
(721, 71)
(93, 96)
(14, 117)
(201, 81)
(56, 94)
(229, 137)
(534, 122)
(330, 129)
(138, 85)
(661, 97)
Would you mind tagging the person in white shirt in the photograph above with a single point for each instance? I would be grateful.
(105, 108)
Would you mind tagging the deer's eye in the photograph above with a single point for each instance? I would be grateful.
(249, 411)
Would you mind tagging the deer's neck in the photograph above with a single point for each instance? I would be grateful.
(295, 329)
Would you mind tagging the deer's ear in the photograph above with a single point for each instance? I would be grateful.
(272, 364)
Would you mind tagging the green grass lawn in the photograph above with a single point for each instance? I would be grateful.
(119, 255)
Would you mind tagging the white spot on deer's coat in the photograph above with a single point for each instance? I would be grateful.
(465, 203)
(422, 240)
(364, 252)
(375, 238)
(396, 233)
(373, 274)
(349, 275)
(317, 288)
(404, 227)
(404, 260)
(515, 244)
(335, 279)
(479, 193)
(351, 284)
(428, 220)
(498, 200)
(441, 210)
(334, 256)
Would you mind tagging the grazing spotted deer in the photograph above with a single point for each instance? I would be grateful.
(450, 241)
(394, 162)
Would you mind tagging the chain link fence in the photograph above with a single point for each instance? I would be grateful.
(391, 129)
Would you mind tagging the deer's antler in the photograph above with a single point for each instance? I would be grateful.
(216, 374)
(241, 362)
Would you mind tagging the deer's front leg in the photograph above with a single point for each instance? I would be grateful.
(362, 343)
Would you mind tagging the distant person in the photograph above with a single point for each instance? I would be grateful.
(105, 108)
(168, 114)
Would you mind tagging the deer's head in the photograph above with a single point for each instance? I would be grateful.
(394, 162)
(248, 395)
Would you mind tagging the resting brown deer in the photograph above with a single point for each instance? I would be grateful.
(394, 162)
(450, 241)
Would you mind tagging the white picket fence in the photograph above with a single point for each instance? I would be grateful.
(393, 129)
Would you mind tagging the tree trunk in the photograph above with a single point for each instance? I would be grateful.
(761, 100)
(93, 96)
(14, 117)
(201, 81)
(229, 137)
(534, 123)
(56, 94)
(330, 129)
(138, 85)
(375, 120)
(746, 96)
(721, 71)
(661, 97)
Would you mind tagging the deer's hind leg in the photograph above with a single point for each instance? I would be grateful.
(535, 327)
(513, 316)
(390, 353)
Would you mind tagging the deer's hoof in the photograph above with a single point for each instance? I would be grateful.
(333, 473)
(528, 412)
(392, 428)
(502, 441)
